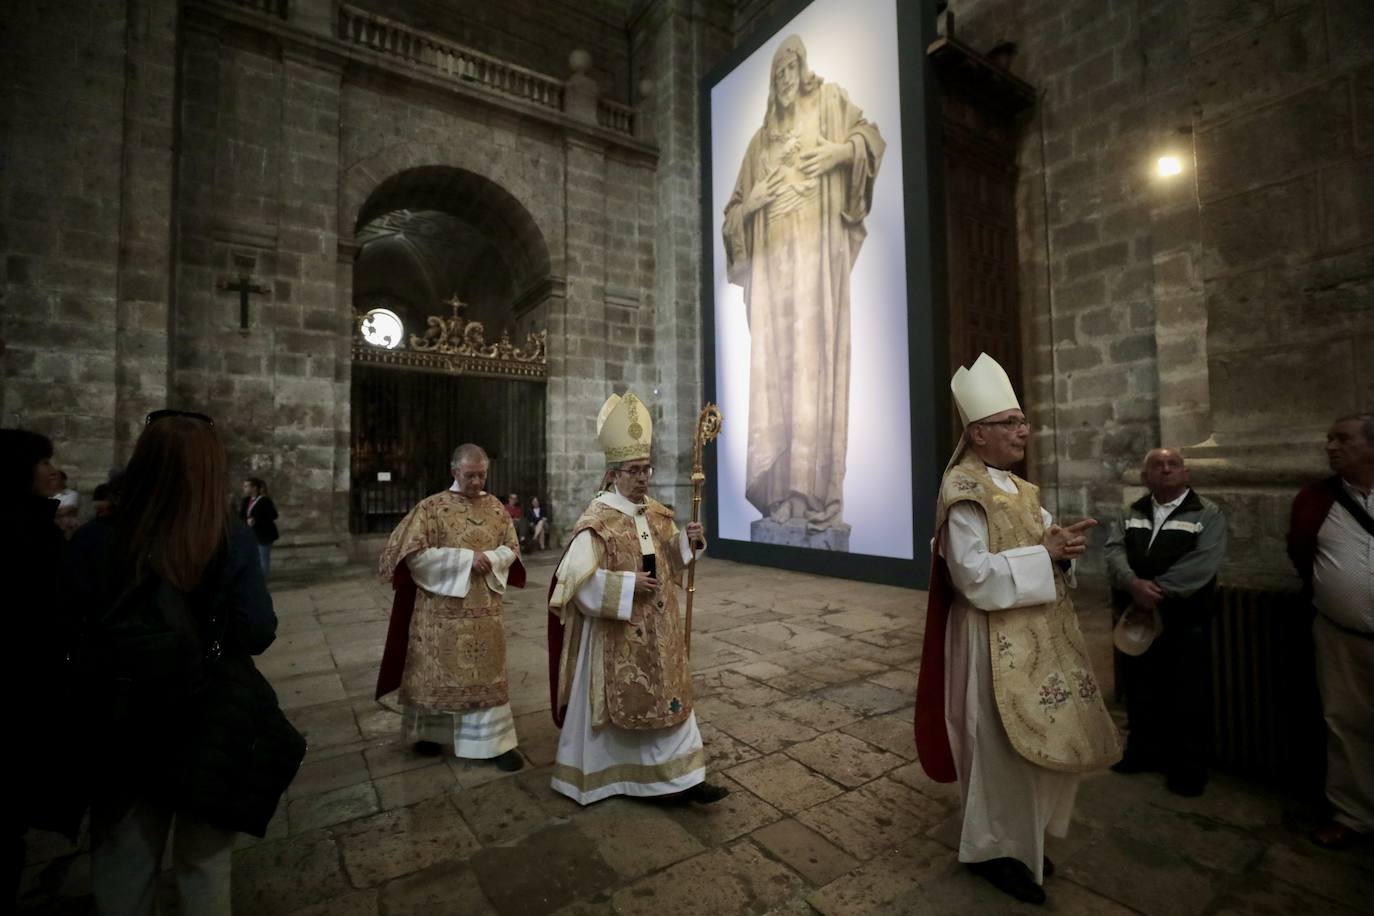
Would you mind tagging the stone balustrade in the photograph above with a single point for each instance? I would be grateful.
(615, 116)
(424, 49)
(278, 8)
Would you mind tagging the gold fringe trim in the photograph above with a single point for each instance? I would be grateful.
(630, 772)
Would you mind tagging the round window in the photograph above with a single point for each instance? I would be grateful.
(383, 328)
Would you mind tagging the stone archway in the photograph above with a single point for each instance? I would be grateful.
(429, 237)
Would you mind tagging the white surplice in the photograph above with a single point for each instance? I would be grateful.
(1008, 802)
(594, 762)
(477, 734)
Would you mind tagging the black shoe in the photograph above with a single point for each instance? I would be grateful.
(1010, 877)
(428, 748)
(705, 793)
(510, 761)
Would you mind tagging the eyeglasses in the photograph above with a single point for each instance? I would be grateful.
(164, 414)
(646, 471)
(1012, 423)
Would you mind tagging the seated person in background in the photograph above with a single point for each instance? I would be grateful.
(517, 516)
(539, 524)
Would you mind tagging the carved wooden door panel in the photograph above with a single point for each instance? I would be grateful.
(981, 108)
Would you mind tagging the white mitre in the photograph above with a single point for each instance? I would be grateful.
(624, 428)
(982, 390)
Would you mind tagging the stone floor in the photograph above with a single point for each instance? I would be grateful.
(805, 691)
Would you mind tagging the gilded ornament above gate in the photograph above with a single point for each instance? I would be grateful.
(456, 346)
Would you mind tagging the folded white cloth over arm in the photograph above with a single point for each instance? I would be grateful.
(443, 571)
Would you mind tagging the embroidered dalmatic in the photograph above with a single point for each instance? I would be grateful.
(622, 691)
(1023, 715)
(453, 688)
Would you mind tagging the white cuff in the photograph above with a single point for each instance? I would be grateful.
(1032, 571)
(501, 559)
(442, 570)
(607, 594)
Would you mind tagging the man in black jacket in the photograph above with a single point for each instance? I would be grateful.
(1163, 555)
(260, 514)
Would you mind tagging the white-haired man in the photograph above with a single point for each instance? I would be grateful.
(450, 560)
(1006, 701)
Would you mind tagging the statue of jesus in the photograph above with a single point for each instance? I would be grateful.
(793, 229)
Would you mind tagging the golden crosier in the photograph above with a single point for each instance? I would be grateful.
(708, 427)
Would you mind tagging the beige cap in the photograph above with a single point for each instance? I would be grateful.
(982, 390)
(624, 428)
(1137, 629)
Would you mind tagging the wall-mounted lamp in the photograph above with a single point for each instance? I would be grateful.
(1169, 166)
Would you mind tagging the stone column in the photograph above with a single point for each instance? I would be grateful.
(310, 317)
(147, 222)
(578, 384)
(679, 41)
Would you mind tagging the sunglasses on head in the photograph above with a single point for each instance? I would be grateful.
(164, 414)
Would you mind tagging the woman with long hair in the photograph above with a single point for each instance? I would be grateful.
(170, 542)
(35, 643)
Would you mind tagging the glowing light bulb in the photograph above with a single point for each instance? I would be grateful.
(1169, 165)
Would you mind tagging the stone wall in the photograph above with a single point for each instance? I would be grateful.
(1229, 309)
(85, 223)
(117, 251)
(1226, 310)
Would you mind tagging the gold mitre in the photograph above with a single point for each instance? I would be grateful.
(624, 428)
(982, 390)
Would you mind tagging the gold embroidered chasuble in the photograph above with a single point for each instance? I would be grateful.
(643, 680)
(1047, 696)
(456, 651)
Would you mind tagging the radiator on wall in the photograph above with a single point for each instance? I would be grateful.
(1266, 714)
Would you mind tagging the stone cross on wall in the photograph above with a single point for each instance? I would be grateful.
(243, 286)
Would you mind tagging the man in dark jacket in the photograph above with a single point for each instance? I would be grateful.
(259, 512)
(1163, 555)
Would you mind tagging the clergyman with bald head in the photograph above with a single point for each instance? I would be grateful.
(450, 560)
(1163, 554)
(792, 232)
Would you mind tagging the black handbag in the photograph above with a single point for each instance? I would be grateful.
(240, 751)
(140, 659)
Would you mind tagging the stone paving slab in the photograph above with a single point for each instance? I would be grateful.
(737, 878)
(805, 851)
(784, 782)
(805, 690)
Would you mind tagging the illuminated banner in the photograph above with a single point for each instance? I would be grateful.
(819, 321)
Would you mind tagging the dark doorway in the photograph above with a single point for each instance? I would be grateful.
(406, 425)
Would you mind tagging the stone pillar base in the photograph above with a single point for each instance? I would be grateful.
(794, 534)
